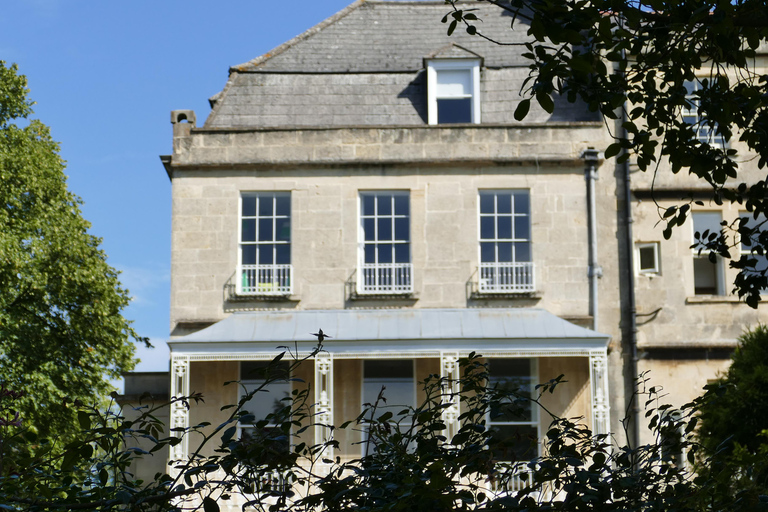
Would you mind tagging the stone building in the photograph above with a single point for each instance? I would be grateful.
(367, 178)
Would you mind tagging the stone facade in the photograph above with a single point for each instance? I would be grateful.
(325, 132)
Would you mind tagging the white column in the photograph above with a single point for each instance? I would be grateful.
(449, 370)
(324, 401)
(179, 408)
(598, 377)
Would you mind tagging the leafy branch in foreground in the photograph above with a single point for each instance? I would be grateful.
(682, 86)
(410, 461)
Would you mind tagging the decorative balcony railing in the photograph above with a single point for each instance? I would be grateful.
(265, 280)
(510, 478)
(385, 278)
(507, 278)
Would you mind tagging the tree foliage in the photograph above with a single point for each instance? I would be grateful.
(410, 463)
(630, 60)
(62, 335)
(734, 420)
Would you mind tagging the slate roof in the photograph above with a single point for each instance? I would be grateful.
(364, 66)
(370, 36)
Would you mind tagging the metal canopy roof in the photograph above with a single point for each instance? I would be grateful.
(411, 329)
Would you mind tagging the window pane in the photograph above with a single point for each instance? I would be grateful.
(283, 229)
(648, 258)
(487, 225)
(384, 204)
(522, 202)
(283, 206)
(454, 110)
(265, 206)
(505, 228)
(703, 221)
(401, 228)
(265, 230)
(522, 251)
(505, 252)
(522, 228)
(402, 253)
(369, 229)
(249, 255)
(488, 252)
(385, 229)
(370, 253)
(283, 254)
(260, 370)
(401, 204)
(504, 203)
(704, 276)
(269, 399)
(249, 206)
(368, 204)
(487, 202)
(384, 252)
(454, 82)
(396, 376)
(388, 368)
(265, 254)
(249, 230)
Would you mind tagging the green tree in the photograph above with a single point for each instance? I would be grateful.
(734, 416)
(62, 335)
(642, 64)
(737, 412)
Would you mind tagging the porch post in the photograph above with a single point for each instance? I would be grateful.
(449, 370)
(179, 408)
(324, 401)
(598, 377)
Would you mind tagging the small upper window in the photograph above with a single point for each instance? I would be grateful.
(453, 91)
(648, 258)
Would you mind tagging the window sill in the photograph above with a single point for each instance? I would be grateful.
(713, 299)
(383, 296)
(505, 295)
(263, 297)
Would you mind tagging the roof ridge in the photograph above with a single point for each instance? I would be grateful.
(299, 38)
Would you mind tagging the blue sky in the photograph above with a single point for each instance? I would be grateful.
(105, 76)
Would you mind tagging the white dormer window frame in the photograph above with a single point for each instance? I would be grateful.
(469, 89)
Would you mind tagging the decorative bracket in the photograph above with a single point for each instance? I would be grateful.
(598, 376)
(324, 401)
(179, 408)
(449, 371)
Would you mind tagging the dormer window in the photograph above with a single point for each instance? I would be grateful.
(453, 91)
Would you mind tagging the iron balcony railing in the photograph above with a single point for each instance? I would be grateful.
(507, 277)
(385, 278)
(265, 280)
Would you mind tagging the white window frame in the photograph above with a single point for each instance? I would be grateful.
(719, 265)
(505, 276)
(534, 421)
(270, 278)
(276, 480)
(434, 66)
(656, 269)
(704, 133)
(751, 221)
(388, 278)
(388, 406)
